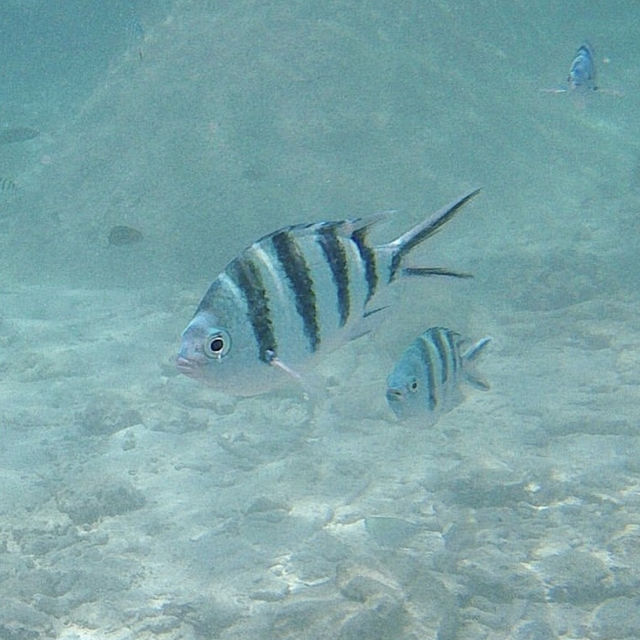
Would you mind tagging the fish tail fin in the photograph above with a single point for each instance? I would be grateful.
(468, 361)
(401, 246)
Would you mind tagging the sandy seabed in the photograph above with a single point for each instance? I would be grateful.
(138, 504)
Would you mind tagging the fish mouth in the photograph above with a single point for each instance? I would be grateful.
(395, 399)
(187, 366)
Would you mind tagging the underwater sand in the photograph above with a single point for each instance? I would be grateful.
(136, 503)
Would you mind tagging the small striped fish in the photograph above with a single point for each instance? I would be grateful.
(7, 184)
(294, 294)
(582, 74)
(425, 382)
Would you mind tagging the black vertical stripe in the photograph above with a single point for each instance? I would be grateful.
(368, 256)
(336, 257)
(431, 377)
(300, 282)
(453, 350)
(442, 348)
(247, 278)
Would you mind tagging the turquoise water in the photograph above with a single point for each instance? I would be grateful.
(138, 504)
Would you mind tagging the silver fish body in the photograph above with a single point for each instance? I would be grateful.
(426, 380)
(582, 73)
(294, 294)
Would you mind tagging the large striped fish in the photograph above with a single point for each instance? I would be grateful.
(425, 381)
(294, 294)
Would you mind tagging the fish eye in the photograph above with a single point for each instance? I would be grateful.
(413, 385)
(217, 344)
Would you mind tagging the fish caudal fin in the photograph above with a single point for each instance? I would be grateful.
(468, 359)
(401, 246)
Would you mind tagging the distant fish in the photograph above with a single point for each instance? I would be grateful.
(582, 74)
(294, 294)
(7, 184)
(425, 382)
(121, 235)
(135, 35)
(9, 135)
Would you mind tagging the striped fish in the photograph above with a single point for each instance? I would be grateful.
(294, 294)
(582, 73)
(425, 382)
(7, 184)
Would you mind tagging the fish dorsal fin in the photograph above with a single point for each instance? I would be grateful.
(348, 227)
(343, 228)
(474, 350)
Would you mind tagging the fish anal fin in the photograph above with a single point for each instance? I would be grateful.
(368, 314)
(476, 382)
(434, 271)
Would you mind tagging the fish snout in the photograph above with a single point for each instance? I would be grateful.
(394, 395)
(187, 366)
(396, 401)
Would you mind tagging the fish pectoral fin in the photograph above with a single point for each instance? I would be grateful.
(274, 361)
(314, 387)
(434, 271)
